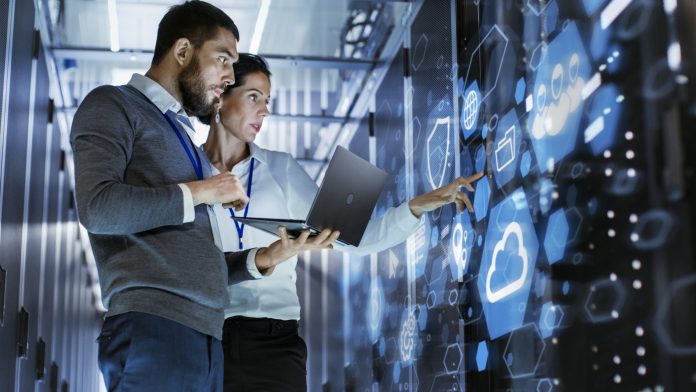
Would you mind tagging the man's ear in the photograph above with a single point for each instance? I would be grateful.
(183, 51)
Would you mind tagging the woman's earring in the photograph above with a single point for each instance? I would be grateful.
(217, 118)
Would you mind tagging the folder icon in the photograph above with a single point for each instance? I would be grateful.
(505, 150)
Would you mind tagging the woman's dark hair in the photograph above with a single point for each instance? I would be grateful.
(246, 65)
(195, 20)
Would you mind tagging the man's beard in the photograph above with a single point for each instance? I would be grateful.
(193, 91)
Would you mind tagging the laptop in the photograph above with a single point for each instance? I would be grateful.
(344, 201)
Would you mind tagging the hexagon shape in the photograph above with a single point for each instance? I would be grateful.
(511, 238)
(556, 236)
(666, 312)
(522, 356)
(550, 319)
(604, 301)
(481, 198)
(453, 358)
(520, 90)
(544, 385)
(481, 356)
(495, 36)
(553, 123)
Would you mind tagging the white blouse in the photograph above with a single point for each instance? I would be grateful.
(282, 189)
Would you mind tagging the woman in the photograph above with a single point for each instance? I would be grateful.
(263, 351)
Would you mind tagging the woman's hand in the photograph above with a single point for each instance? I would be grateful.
(449, 193)
(286, 247)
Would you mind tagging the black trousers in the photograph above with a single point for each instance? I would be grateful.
(263, 354)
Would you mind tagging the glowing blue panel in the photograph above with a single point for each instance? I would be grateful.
(560, 78)
(525, 164)
(506, 149)
(520, 89)
(605, 115)
(507, 265)
(591, 6)
(481, 198)
(481, 356)
(471, 102)
(556, 236)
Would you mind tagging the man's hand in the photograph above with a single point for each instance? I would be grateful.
(285, 247)
(449, 193)
(223, 188)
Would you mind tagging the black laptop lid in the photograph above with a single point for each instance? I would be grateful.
(347, 196)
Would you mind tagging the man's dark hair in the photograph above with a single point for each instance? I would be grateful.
(246, 65)
(195, 20)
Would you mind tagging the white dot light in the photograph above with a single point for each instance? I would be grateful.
(630, 154)
(637, 284)
(629, 135)
(639, 331)
(636, 264)
(608, 172)
(611, 233)
(614, 314)
(642, 370)
(617, 379)
(640, 351)
(635, 237)
(617, 359)
(613, 277)
(633, 218)
(610, 214)
(631, 172)
(607, 154)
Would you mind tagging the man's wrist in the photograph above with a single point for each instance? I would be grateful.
(264, 262)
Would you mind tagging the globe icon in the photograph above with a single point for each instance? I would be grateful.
(471, 104)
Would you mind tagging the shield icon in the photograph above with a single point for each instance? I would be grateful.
(438, 151)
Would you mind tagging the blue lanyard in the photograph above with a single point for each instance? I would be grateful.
(240, 226)
(195, 162)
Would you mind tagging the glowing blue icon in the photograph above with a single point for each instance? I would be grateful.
(438, 152)
(556, 236)
(605, 114)
(481, 356)
(525, 164)
(506, 148)
(481, 198)
(462, 240)
(407, 337)
(507, 265)
(557, 95)
(376, 310)
(520, 90)
(513, 229)
(470, 109)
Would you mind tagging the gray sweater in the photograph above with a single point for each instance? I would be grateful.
(128, 162)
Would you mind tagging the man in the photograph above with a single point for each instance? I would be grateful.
(142, 193)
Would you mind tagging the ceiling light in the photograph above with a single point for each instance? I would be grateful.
(113, 26)
(260, 25)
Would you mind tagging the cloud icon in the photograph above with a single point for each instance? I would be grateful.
(495, 296)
